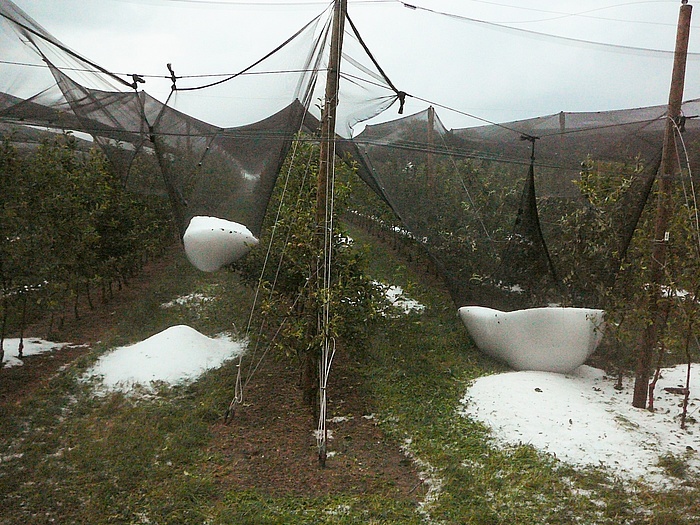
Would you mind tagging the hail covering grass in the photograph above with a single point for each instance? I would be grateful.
(582, 419)
(32, 346)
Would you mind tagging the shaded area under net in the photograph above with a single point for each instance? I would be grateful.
(503, 230)
(508, 233)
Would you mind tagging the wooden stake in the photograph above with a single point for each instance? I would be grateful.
(329, 112)
(430, 168)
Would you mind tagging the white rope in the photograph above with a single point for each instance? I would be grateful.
(696, 218)
(274, 337)
(326, 357)
(239, 386)
(324, 371)
(666, 270)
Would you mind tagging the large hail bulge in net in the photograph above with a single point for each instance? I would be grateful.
(212, 243)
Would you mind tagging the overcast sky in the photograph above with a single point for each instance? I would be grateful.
(498, 60)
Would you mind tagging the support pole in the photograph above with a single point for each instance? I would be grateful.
(323, 196)
(329, 112)
(669, 168)
(430, 167)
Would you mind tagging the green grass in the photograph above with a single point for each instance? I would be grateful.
(71, 457)
(256, 509)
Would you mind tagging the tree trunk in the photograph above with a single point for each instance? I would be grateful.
(309, 379)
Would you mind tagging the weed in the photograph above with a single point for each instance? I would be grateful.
(673, 465)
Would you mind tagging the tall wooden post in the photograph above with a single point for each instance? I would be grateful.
(430, 167)
(329, 112)
(669, 169)
(323, 197)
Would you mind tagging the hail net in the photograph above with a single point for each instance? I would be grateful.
(493, 206)
(214, 145)
(501, 209)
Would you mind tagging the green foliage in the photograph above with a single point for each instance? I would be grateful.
(466, 216)
(289, 256)
(592, 238)
(67, 225)
(588, 238)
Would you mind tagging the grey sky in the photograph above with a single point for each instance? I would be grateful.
(455, 61)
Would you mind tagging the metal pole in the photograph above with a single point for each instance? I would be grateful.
(669, 169)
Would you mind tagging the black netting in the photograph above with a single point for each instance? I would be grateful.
(510, 234)
(503, 229)
(213, 159)
(224, 172)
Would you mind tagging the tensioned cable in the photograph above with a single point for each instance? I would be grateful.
(509, 128)
(414, 146)
(166, 77)
(469, 195)
(239, 387)
(528, 134)
(234, 132)
(358, 79)
(421, 147)
(293, 220)
(261, 3)
(327, 342)
(67, 50)
(580, 14)
(695, 217)
(246, 71)
(538, 34)
(400, 145)
(238, 398)
(400, 94)
(667, 272)
(464, 113)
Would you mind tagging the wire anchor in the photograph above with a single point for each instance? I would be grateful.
(137, 79)
(173, 78)
(531, 139)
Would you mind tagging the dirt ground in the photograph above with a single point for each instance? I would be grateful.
(269, 444)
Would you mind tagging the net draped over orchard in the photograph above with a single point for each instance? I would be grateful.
(509, 213)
